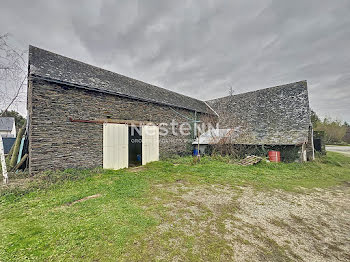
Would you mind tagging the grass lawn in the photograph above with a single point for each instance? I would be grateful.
(132, 217)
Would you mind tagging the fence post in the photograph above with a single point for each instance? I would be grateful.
(3, 162)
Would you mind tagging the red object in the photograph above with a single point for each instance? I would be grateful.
(275, 156)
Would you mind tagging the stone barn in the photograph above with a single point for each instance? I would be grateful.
(275, 118)
(79, 116)
(82, 116)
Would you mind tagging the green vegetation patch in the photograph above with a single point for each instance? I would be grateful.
(50, 217)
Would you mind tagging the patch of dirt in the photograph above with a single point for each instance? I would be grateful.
(15, 183)
(221, 223)
(306, 226)
(84, 199)
(136, 169)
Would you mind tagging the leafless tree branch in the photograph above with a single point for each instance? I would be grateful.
(13, 73)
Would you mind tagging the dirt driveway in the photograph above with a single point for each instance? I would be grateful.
(345, 150)
(219, 223)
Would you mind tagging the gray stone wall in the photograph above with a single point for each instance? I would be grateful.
(57, 143)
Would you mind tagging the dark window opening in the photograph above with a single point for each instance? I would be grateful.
(135, 146)
(317, 144)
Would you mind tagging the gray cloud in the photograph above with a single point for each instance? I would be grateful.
(200, 48)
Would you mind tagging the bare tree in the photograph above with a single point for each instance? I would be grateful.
(13, 74)
(231, 91)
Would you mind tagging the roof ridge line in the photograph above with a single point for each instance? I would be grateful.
(262, 89)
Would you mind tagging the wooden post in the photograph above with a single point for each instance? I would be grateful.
(3, 162)
(303, 157)
(312, 144)
(17, 144)
(198, 155)
(195, 124)
(23, 159)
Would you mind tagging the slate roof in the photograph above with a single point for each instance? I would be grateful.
(278, 115)
(6, 123)
(54, 67)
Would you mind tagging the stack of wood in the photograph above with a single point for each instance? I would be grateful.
(250, 160)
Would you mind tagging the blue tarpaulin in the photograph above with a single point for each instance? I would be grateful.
(8, 142)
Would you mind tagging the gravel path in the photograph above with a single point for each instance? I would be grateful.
(221, 223)
(305, 227)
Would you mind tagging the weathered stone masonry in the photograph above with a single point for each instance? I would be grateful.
(57, 143)
(273, 116)
(276, 116)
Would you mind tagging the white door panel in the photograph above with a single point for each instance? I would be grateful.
(115, 146)
(150, 144)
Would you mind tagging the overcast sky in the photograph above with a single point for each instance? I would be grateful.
(200, 48)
